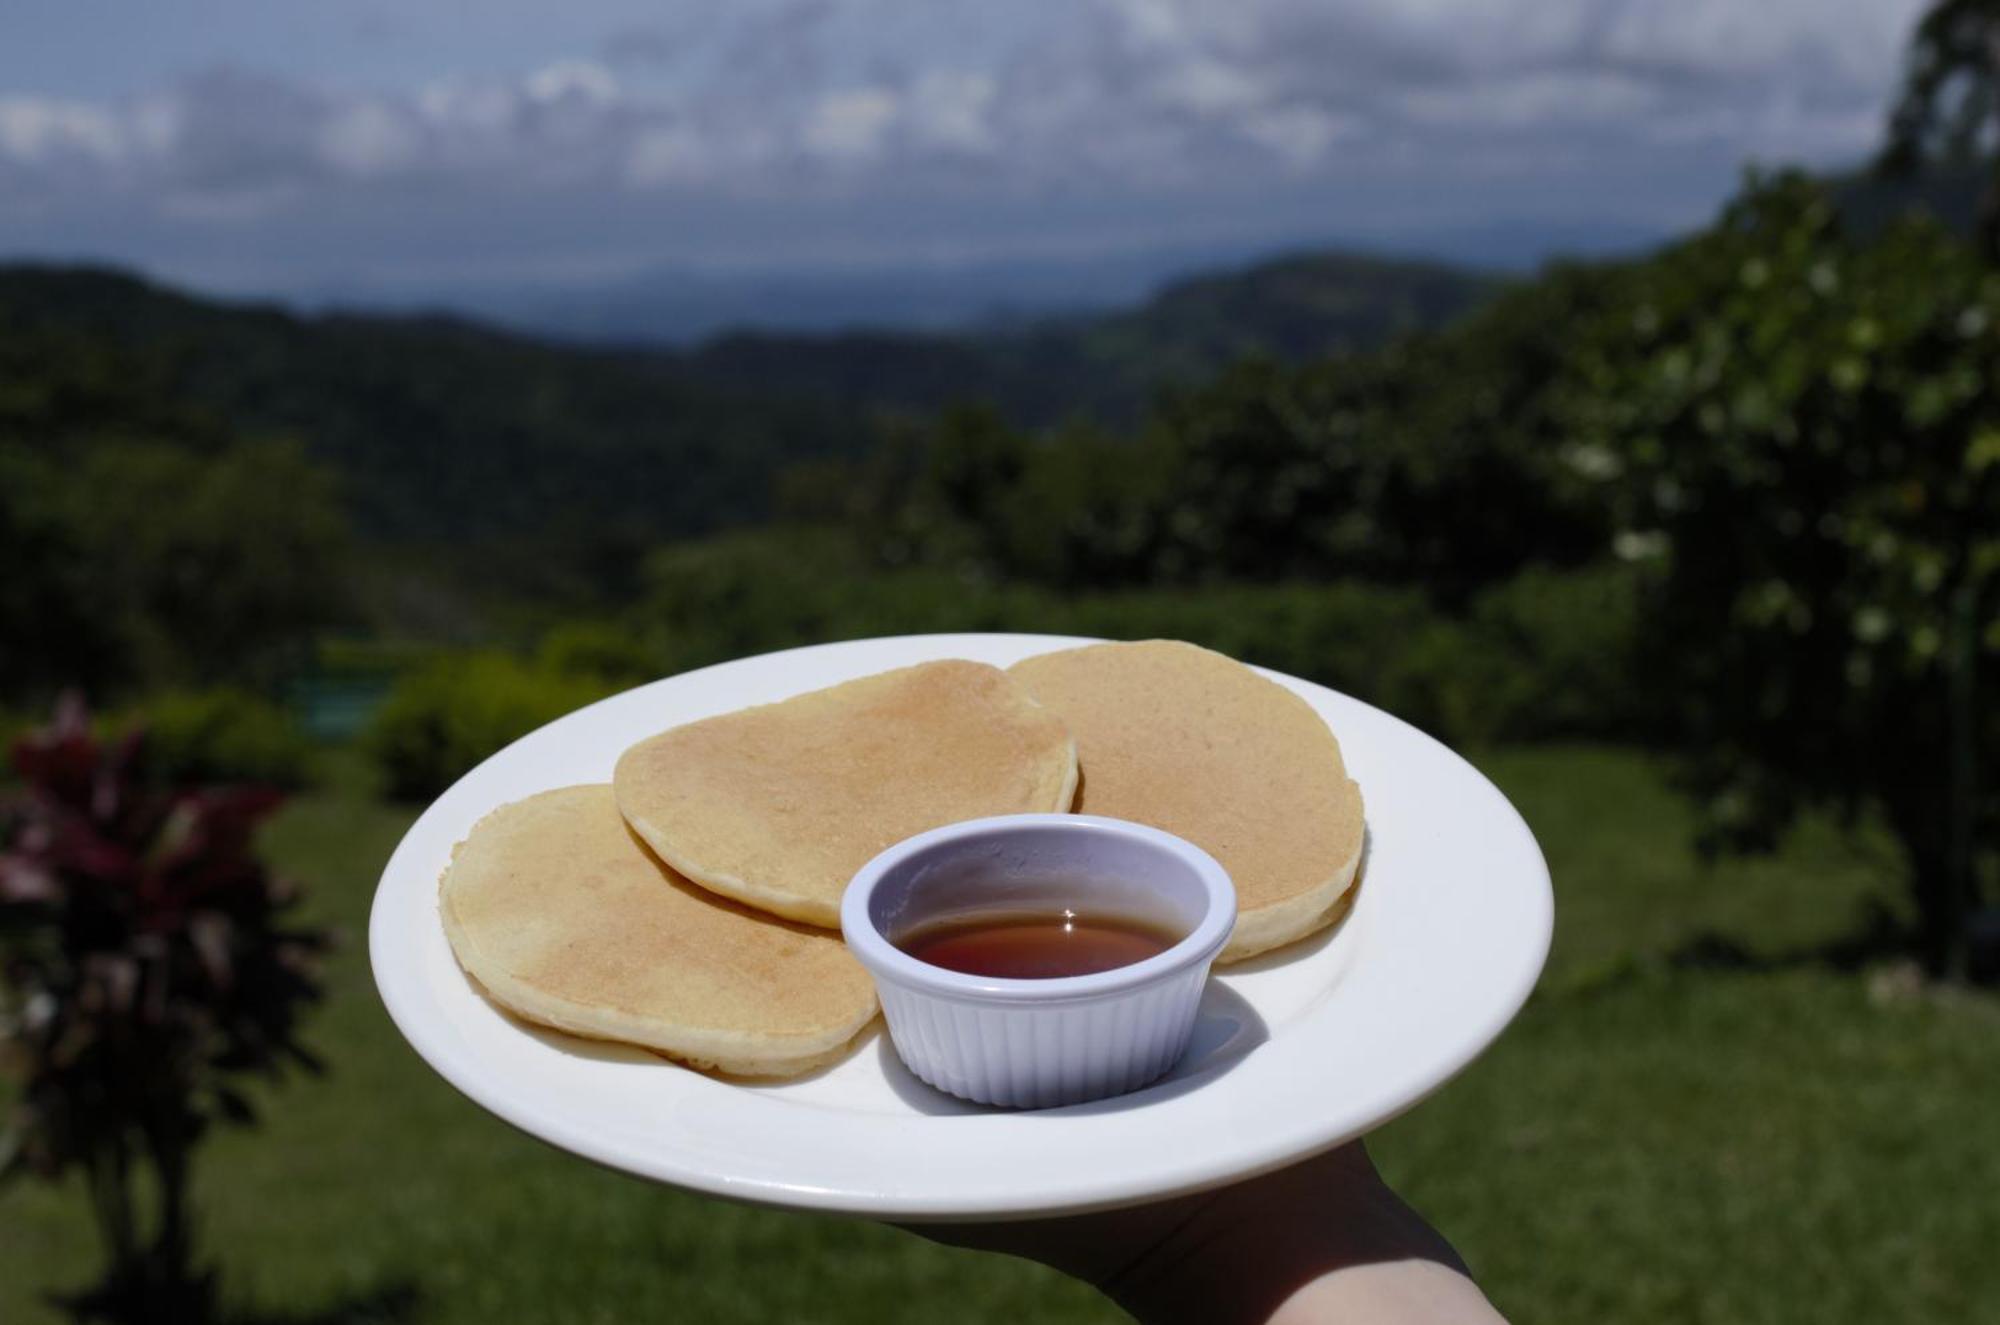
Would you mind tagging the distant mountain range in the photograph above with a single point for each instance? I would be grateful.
(506, 456)
(515, 458)
(1109, 365)
(683, 306)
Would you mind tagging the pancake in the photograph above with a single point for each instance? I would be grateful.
(778, 806)
(1195, 743)
(566, 919)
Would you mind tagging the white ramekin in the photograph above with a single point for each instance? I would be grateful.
(1037, 1043)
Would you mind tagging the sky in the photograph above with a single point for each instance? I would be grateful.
(297, 145)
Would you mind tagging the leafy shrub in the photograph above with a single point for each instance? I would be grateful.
(219, 736)
(1561, 649)
(773, 589)
(602, 651)
(443, 719)
(1433, 463)
(150, 563)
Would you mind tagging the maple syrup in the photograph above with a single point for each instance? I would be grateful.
(1036, 945)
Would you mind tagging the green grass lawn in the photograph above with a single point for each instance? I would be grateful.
(1657, 1138)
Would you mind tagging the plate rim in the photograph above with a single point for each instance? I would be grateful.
(1191, 1175)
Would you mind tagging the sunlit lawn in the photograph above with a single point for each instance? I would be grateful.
(1654, 1140)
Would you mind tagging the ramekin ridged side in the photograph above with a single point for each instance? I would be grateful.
(1041, 1043)
(1035, 1057)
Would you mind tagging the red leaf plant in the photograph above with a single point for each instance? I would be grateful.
(147, 967)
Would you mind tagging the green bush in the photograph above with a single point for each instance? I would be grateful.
(218, 736)
(601, 651)
(771, 589)
(443, 719)
(1562, 650)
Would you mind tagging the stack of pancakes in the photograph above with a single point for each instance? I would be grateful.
(692, 906)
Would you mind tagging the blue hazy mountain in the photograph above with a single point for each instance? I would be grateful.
(681, 306)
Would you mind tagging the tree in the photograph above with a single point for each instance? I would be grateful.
(1802, 435)
(1949, 110)
(213, 567)
(160, 561)
(48, 633)
(1429, 462)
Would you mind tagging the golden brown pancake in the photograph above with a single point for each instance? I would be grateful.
(1195, 743)
(778, 806)
(566, 919)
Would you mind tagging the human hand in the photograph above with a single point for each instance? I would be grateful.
(1323, 1240)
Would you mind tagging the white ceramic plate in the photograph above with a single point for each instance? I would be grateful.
(1293, 1052)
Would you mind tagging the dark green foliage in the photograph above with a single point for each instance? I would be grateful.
(219, 737)
(600, 651)
(142, 538)
(212, 567)
(552, 469)
(1869, 200)
(149, 964)
(753, 592)
(151, 561)
(446, 717)
(1949, 111)
(48, 635)
(61, 377)
(1563, 656)
(1433, 462)
(1803, 434)
(492, 454)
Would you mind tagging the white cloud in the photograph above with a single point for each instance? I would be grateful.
(1101, 100)
(370, 138)
(573, 80)
(1850, 41)
(42, 130)
(1298, 135)
(457, 106)
(953, 110)
(850, 123)
(1578, 98)
(669, 154)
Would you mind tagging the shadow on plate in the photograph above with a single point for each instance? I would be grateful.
(1226, 1029)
